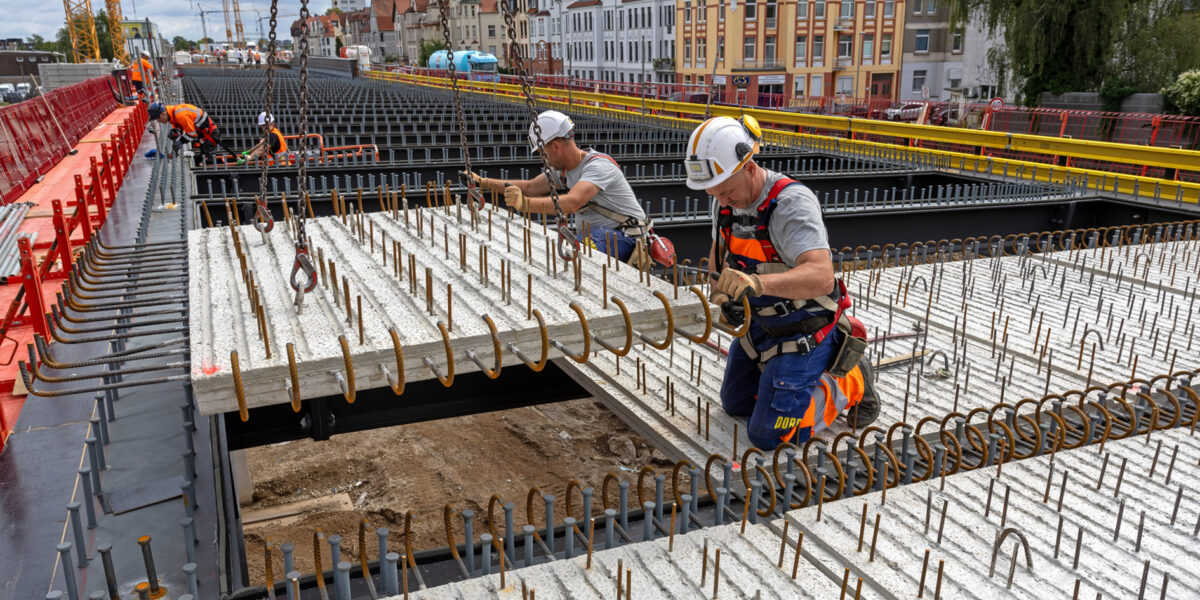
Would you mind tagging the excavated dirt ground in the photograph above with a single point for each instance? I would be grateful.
(383, 473)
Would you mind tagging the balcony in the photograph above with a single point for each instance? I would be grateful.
(843, 25)
(760, 64)
(845, 61)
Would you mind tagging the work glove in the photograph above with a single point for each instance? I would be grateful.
(738, 284)
(176, 146)
(482, 183)
(515, 198)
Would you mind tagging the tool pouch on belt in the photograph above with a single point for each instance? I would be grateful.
(854, 345)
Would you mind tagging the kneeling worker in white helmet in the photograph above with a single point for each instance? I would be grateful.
(591, 187)
(798, 366)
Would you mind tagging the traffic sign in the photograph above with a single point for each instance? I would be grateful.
(996, 104)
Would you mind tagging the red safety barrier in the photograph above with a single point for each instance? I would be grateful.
(38, 132)
(95, 187)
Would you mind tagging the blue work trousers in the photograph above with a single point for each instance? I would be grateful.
(622, 245)
(776, 398)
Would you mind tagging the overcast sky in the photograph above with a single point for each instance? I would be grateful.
(174, 17)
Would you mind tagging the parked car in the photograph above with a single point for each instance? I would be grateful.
(693, 97)
(943, 114)
(908, 111)
(9, 93)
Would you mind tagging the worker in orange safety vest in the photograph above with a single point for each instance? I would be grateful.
(141, 70)
(191, 125)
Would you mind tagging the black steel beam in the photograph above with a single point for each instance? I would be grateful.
(473, 393)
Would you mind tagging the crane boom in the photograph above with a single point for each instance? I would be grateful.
(82, 28)
(237, 23)
(228, 27)
(116, 32)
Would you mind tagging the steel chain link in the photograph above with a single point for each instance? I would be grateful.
(303, 265)
(473, 192)
(568, 244)
(262, 219)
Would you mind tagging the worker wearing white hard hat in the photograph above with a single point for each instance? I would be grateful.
(271, 146)
(139, 72)
(771, 251)
(591, 187)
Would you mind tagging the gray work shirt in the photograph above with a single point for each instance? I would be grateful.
(796, 225)
(615, 194)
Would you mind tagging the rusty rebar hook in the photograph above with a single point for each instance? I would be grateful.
(496, 351)
(293, 377)
(541, 363)
(1000, 541)
(448, 380)
(396, 382)
(628, 331)
(670, 323)
(587, 338)
(708, 320)
(347, 382)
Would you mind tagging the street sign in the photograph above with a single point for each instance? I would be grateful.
(996, 104)
(718, 80)
(741, 80)
(925, 92)
(771, 79)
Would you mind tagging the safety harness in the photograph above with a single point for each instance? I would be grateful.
(629, 225)
(800, 326)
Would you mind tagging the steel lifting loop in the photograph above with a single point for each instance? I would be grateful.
(346, 383)
(628, 331)
(646, 470)
(302, 266)
(448, 380)
(293, 377)
(534, 491)
(541, 363)
(670, 325)
(608, 477)
(496, 351)
(574, 484)
(741, 331)
(447, 515)
(587, 338)
(712, 492)
(567, 245)
(237, 386)
(708, 321)
(396, 382)
(263, 221)
(675, 478)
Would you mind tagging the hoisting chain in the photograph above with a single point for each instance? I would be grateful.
(473, 192)
(263, 221)
(303, 264)
(568, 245)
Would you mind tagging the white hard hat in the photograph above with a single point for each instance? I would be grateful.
(146, 53)
(554, 125)
(264, 118)
(718, 148)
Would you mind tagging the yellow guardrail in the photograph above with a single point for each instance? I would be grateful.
(1147, 187)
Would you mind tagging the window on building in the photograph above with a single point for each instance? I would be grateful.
(701, 52)
(799, 85)
(769, 50)
(491, 31)
(751, 11)
(930, 6)
(802, 51)
(869, 11)
(845, 85)
(702, 11)
(748, 49)
(608, 24)
(885, 46)
(818, 52)
(818, 85)
(819, 9)
(771, 13)
(918, 80)
(802, 9)
(921, 41)
(492, 50)
(847, 9)
(889, 9)
(957, 42)
(687, 11)
(868, 48)
(721, 53)
(845, 46)
(687, 53)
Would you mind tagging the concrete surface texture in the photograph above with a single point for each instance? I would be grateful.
(453, 269)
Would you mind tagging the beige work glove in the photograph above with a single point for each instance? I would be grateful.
(515, 198)
(640, 258)
(482, 183)
(738, 284)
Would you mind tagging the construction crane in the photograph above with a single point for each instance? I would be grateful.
(261, 33)
(116, 32)
(237, 24)
(82, 28)
(203, 23)
(228, 25)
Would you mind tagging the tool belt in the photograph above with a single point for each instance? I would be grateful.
(630, 226)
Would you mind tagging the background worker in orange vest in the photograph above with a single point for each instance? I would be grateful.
(271, 146)
(143, 69)
(190, 125)
(770, 246)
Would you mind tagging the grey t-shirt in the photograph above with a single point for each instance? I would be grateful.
(615, 193)
(796, 225)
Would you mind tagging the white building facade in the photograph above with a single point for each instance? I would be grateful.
(609, 40)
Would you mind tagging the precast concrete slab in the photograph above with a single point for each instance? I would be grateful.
(1120, 523)
(1017, 337)
(390, 282)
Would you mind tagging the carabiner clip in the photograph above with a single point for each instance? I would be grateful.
(263, 221)
(568, 244)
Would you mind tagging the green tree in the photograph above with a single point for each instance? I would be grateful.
(427, 50)
(180, 43)
(1059, 46)
(103, 36)
(1158, 44)
(40, 43)
(1183, 96)
(333, 11)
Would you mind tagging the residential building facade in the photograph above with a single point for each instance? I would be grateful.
(474, 25)
(621, 41)
(769, 50)
(933, 52)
